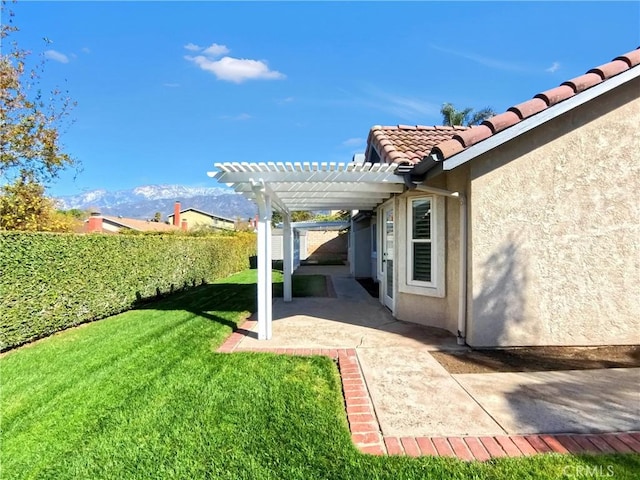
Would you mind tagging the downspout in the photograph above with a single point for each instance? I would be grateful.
(462, 294)
(462, 299)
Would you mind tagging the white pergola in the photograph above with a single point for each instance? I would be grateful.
(287, 187)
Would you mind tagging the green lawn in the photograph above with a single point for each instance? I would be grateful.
(144, 395)
(302, 285)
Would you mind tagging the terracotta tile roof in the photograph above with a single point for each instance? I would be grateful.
(463, 140)
(407, 144)
(140, 225)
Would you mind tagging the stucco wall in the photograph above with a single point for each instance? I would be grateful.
(555, 256)
(457, 181)
(360, 263)
(429, 310)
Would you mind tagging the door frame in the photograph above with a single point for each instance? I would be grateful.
(386, 300)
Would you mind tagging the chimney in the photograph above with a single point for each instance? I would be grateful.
(176, 214)
(253, 223)
(94, 224)
(183, 225)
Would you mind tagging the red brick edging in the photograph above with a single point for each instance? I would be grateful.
(367, 436)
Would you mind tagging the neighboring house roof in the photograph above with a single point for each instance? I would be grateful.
(459, 142)
(406, 144)
(204, 213)
(139, 225)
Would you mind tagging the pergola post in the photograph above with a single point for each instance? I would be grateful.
(268, 281)
(265, 293)
(287, 261)
(352, 244)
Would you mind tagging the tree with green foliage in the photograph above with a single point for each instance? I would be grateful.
(23, 206)
(296, 216)
(31, 154)
(339, 216)
(76, 213)
(466, 117)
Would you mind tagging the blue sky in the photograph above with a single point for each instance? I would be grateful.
(166, 89)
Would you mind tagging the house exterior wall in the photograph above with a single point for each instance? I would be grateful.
(360, 263)
(554, 257)
(197, 219)
(108, 227)
(373, 263)
(432, 311)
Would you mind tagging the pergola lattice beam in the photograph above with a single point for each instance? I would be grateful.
(327, 206)
(314, 172)
(328, 187)
(285, 195)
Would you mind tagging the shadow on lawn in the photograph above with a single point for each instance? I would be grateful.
(222, 302)
(209, 301)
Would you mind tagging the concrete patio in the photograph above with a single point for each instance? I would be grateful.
(414, 396)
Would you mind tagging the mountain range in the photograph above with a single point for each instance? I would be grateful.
(143, 202)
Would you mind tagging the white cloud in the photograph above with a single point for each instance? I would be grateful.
(236, 70)
(353, 142)
(553, 68)
(486, 61)
(85, 50)
(407, 108)
(227, 68)
(216, 50)
(240, 117)
(56, 56)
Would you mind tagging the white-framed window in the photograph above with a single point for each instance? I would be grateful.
(424, 268)
(420, 238)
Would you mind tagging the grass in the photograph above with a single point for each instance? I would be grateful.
(302, 285)
(144, 395)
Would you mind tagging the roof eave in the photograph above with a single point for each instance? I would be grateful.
(430, 166)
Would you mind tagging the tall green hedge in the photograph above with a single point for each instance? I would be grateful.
(49, 282)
